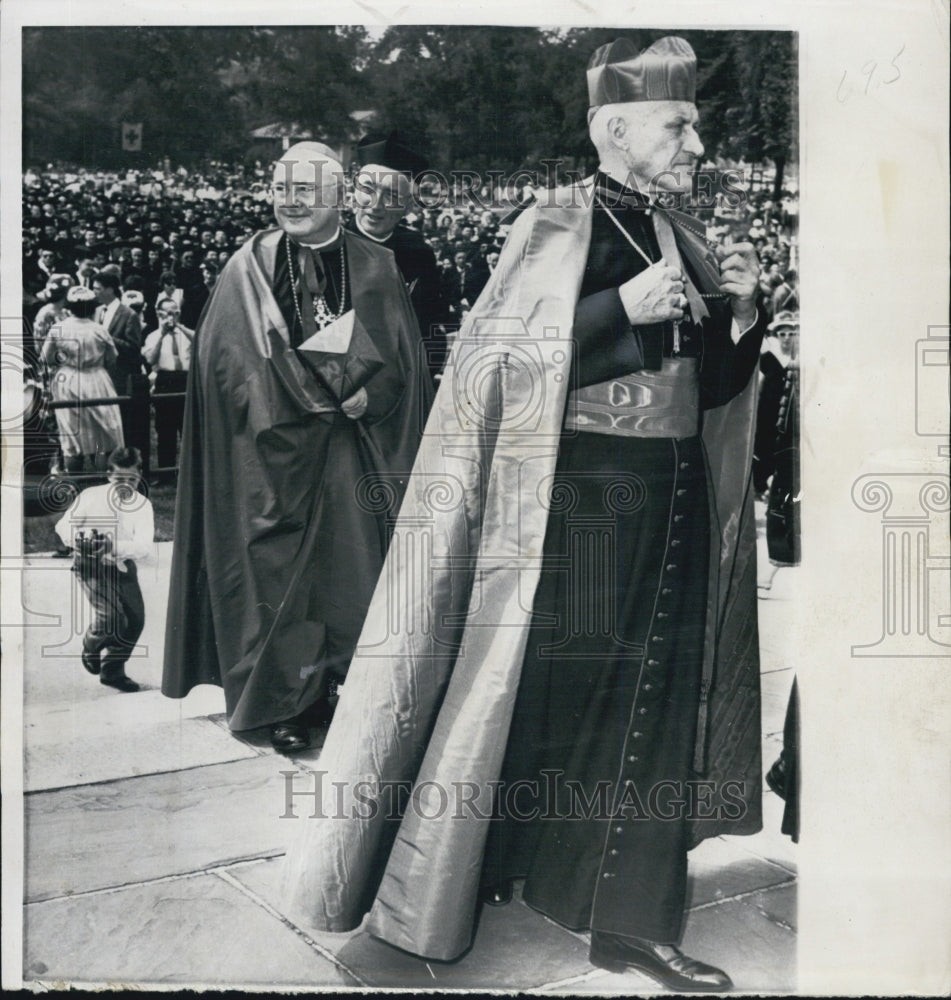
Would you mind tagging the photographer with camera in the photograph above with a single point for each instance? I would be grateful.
(167, 352)
(110, 528)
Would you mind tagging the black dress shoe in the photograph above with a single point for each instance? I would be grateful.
(664, 963)
(290, 737)
(776, 776)
(120, 682)
(91, 661)
(498, 894)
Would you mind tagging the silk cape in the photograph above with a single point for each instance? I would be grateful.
(428, 701)
(281, 518)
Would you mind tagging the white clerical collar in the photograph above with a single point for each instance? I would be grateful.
(370, 236)
(326, 243)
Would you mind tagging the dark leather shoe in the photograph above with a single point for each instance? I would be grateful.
(91, 661)
(498, 894)
(664, 963)
(290, 737)
(120, 682)
(776, 776)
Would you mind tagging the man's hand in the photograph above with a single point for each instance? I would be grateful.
(356, 405)
(654, 296)
(739, 278)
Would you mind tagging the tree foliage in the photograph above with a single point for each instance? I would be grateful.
(473, 97)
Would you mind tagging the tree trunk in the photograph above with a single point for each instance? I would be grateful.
(780, 162)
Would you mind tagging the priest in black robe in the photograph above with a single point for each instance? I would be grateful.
(584, 661)
(614, 679)
(305, 406)
(382, 195)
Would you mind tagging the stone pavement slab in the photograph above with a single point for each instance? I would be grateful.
(720, 868)
(93, 706)
(771, 843)
(97, 836)
(103, 753)
(188, 930)
(758, 953)
(515, 947)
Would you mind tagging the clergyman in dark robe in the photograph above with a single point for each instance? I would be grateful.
(382, 195)
(587, 636)
(583, 663)
(304, 411)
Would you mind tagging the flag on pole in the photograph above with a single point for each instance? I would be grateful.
(132, 137)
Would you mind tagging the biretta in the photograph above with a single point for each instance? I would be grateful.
(390, 151)
(666, 71)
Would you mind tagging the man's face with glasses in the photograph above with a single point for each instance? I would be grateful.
(381, 197)
(307, 197)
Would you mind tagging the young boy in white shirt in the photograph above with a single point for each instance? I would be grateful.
(109, 527)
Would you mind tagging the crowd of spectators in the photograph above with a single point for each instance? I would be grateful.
(166, 234)
(156, 223)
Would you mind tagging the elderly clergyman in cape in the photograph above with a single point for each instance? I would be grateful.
(306, 399)
(569, 691)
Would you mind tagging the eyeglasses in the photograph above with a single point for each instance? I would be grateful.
(366, 193)
(324, 196)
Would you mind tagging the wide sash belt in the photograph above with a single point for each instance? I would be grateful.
(663, 403)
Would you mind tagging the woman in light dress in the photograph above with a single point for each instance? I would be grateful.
(77, 351)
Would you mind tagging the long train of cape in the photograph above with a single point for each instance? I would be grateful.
(429, 697)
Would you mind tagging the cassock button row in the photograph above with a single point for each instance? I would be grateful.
(619, 829)
(608, 875)
(684, 465)
(666, 590)
(614, 851)
(678, 517)
(642, 711)
(653, 663)
(633, 758)
(675, 541)
(661, 614)
(648, 687)
(657, 638)
(671, 567)
(681, 492)
(636, 735)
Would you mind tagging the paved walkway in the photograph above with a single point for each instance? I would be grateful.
(154, 841)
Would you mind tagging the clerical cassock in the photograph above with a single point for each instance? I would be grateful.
(417, 264)
(625, 656)
(605, 724)
(284, 502)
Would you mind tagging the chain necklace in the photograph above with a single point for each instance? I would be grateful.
(650, 263)
(323, 315)
(630, 239)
